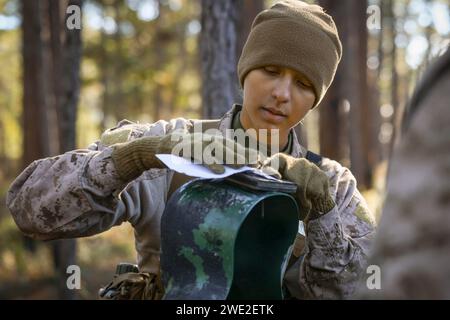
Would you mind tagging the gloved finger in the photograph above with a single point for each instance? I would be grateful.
(276, 162)
(271, 172)
(211, 160)
(235, 166)
(217, 168)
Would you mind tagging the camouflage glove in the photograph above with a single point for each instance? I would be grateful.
(312, 195)
(134, 157)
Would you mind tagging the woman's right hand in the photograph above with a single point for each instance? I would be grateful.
(213, 151)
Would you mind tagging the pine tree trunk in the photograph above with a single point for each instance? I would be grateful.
(390, 17)
(34, 115)
(249, 9)
(62, 61)
(357, 91)
(35, 122)
(218, 42)
(332, 120)
(347, 99)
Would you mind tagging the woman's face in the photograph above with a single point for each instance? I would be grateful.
(276, 98)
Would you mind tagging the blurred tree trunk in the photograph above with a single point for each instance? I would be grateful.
(357, 92)
(390, 24)
(34, 115)
(332, 135)
(105, 78)
(333, 123)
(350, 90)
(248, 10)
(218, 41)
(373, 120)
(35, 123)
(158, 48)
(72, 51)
(64, 76)
(118, 106)
(181, 69)
(374, 117)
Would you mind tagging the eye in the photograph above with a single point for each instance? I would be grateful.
(271, 70)
(304, 84)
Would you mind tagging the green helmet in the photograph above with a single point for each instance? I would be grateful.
(219, 241)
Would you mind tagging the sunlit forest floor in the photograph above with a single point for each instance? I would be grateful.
(27, 275)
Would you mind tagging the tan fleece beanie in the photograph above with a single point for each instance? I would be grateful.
(295, 35)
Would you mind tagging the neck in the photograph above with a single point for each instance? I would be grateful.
(280, 140)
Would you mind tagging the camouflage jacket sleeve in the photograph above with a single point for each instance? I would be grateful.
(337, 244)
(79, 193)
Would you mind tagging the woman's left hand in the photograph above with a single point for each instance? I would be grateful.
(313, 196)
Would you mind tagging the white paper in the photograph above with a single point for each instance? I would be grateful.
(301, 228)
(191, 169)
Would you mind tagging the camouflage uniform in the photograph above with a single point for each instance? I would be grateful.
(80, 194)
(413, 242)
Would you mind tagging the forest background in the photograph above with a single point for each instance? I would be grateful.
(72, 68)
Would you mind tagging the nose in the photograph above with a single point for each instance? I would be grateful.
(282, 89)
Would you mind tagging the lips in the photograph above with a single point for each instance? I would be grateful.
(272, 115)
(274, 111)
